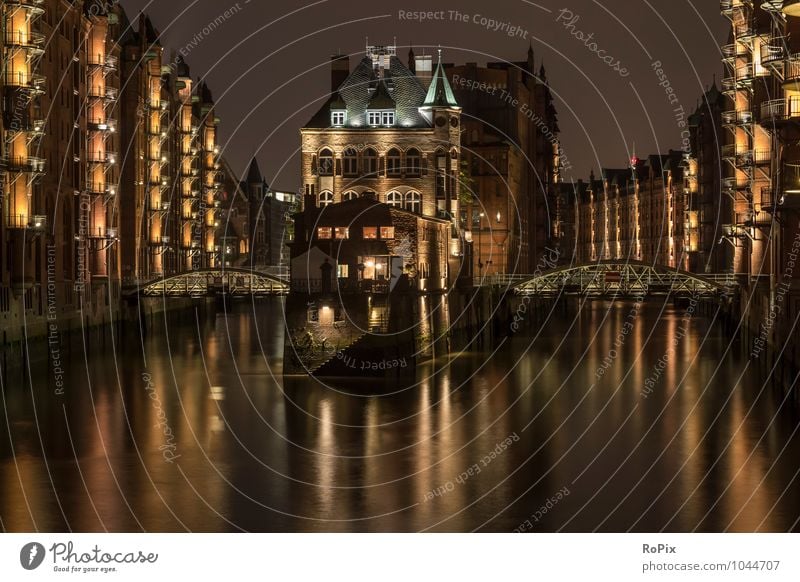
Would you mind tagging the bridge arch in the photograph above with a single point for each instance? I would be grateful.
(213, 281)
(623, 278)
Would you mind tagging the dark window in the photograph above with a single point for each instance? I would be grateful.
(393, 162)
(326, 163)
(371, 162)
(350, 162)
(413, 162)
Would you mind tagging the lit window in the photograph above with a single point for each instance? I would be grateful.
(341, 232)
(413, 202)
(370, 232)
(387, 232)
(325, 198)
(387, 118)
(343, 271)
(324, 232)
(338, 117)
(394, 199)
(374, 117)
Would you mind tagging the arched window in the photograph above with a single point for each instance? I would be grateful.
(349, 195)
(414, 202)
(370, 163)
(325, 198)
(413, 162)
(326, 162)
(350, 162)
(393, 163)
(394, 199)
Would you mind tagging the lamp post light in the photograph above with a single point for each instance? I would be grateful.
(480, 245)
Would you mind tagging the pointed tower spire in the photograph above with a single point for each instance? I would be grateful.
(531, 60)
(253, 173)
(440, 94)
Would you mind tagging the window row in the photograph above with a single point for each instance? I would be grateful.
(368, 163)
(367, 232)
(385, 118)
(412, 201)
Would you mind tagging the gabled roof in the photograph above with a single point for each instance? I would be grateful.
(381, 99)
(399, 83)
(253, 173)
(440, 94)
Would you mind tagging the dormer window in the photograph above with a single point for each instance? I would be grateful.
(338, 118)
(380, 118)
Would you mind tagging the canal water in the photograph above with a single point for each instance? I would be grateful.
(620, 416)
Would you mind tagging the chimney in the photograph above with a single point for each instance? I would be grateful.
(340, 70)
(424, 69)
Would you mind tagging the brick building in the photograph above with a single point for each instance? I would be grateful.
(511, 152)
(390, 136)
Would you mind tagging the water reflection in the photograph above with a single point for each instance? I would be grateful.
(707, 449)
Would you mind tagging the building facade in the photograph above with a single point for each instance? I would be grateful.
(390, 136)
(637, 213)
(762, 86)
(271, 225)
(511, 152)
(169, 221)
(104, 182)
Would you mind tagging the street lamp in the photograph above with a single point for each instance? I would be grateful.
(480, 244)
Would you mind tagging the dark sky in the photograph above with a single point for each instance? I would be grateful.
(267, 65)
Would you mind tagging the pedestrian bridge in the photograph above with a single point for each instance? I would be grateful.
(226, 281)
(629, 278)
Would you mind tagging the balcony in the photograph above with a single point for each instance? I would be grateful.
(744, 74)
(27, 222)
(736, 183)
(30, 41)
(743, 31)
(101, 158)
(778, 111)
(773, 51)
(106, 93)
(97, 188)
(104, 125)
(34, 7)
(762, 157)
(24, 80)
(29, 164)
(772, 5)
(791, 70)
(753, 218)
(733, 50)
(734, 117)
(733, 151)
(728, 84)
(107, 62)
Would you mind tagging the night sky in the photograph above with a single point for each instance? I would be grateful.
(267, 64)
